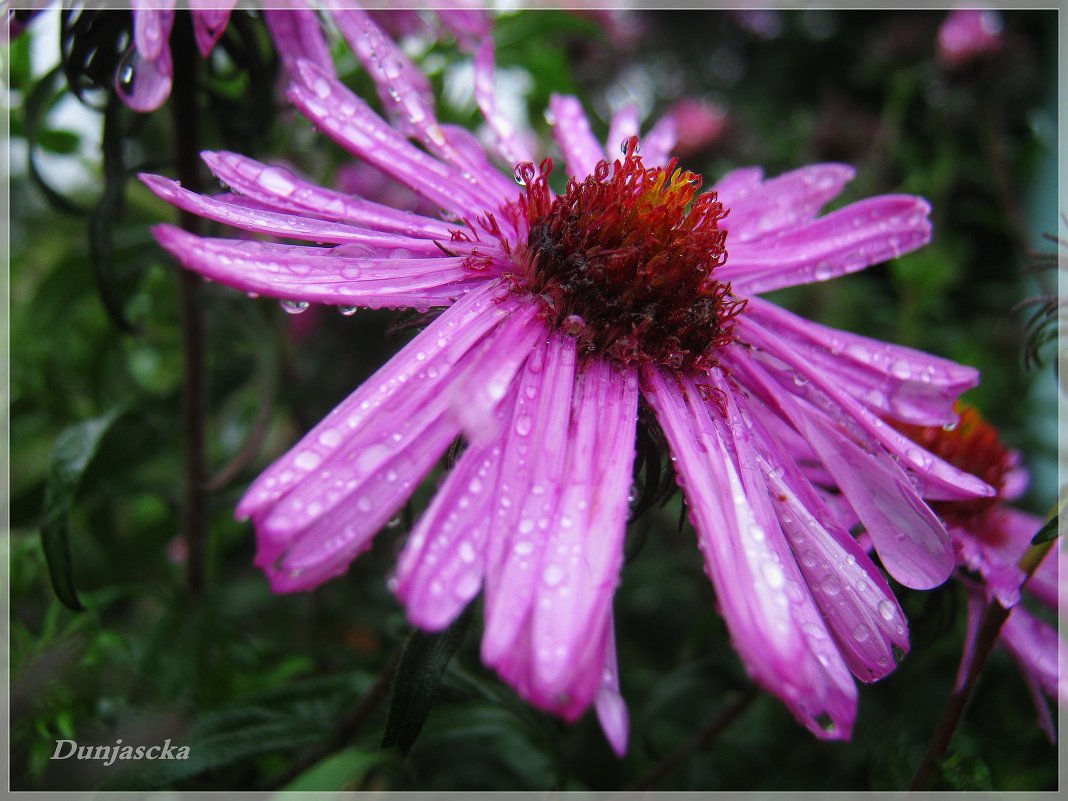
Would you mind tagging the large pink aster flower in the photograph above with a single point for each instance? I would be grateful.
(990, 538)
(562, 310)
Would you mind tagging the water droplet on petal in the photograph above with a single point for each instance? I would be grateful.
(347, 311)
(887, 610)
(294, 306)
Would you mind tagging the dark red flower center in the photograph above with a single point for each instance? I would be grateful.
(973, 445)
(624, 261)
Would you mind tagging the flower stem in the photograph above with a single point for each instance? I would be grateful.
(993, 617)
(194, 393)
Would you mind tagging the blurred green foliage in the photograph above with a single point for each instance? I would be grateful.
(291, 692)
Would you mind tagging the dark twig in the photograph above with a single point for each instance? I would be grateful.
(700, 740)
(194, 385)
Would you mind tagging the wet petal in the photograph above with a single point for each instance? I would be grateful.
(511, 146)
(297, 35)
(903, 383)
(936, 478)
(210, 18)
(287, 225)
(611, 708)
(773, 622)
(583, 553)
(847, 240)
(531, 483)
(571, 129)
(911, 541)
(279, 188)
(759, 209)
(152, 23)
(332, 276)
(350, 122)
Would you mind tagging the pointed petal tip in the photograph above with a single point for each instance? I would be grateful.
(614, 719)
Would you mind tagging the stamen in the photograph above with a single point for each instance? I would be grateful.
(623, 261)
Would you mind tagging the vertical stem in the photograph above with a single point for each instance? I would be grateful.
(194, 403)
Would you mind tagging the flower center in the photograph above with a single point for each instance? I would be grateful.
(623, 261)
(973, 445)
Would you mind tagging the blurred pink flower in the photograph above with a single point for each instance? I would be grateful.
(699, 124)
(561, 311)
(990, 537)
(966, 34)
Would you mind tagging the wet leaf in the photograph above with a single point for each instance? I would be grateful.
(424, 660)
(71, 455)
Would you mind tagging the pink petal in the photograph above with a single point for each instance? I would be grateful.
(911, 541)
(150, 79)
(279, 188)
(325, 520)
(772, 619)
(625, 123)
(571, 129)
(937, 478)
(759, 208)
(287, 225)
(854, 599)
(611, 708)
(583, 552)
(659, 142)
(471, 27)
(210, 18)
(333, 276)
(902, 383)
(351, 123)
(297, 35)
(430, 358)
(511, 146)
(152, 23)
(1039, 650)
(532, 480)
(846, 240)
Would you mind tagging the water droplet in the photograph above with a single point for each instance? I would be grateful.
(364, 504)
(553, 575)
(950, 426)
(523, 424)
(887, 610)
(628, 142)
(394, 522)
(308, 460)
(526, 525)
(518, 175)
(294, 306)
(347, 311)
(524, 547)
(278, 180)
(824, 271)
(832, 585)
(861, 633)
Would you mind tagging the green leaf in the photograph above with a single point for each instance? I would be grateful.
(418, 676)
(71, 455)
(64, 142)
(341, 771)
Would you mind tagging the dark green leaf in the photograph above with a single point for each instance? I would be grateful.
(73, 451)
(418, 676)
(37, 104)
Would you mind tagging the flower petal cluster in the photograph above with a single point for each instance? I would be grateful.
(967, 34)
(534, 510)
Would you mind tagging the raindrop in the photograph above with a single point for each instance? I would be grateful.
(553, 575)
(294, 306)
(626, 145)
(394, 522)
(127, 70)
(887, 610)
(347, 311)
(950, 426)
(518, 175)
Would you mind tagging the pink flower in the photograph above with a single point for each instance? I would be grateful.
(968, 33)
(989, 538)
(562, 313)
(698, 125)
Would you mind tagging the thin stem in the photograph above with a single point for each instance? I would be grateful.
(194, 385)
(700, 740)
(953, 712)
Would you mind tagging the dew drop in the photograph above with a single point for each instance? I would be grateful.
(294, 306)
(887, 610)
(278, 181)
(347, 311)
(553, 575)
(861, 633)
(518, 175)
(524, 547)
(523, 424)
